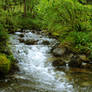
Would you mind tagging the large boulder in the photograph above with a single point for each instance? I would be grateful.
(79, 61)
(59, 51)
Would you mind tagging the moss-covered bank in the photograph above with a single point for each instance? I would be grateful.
(6, 57)
(5, 64)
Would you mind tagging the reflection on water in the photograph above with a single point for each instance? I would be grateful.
(37, 74)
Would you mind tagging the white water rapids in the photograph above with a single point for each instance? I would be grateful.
(36, 72)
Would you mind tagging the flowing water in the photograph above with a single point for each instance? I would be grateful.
(36, 73)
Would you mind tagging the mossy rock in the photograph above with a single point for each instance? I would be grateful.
(55, 34)
(5, 64)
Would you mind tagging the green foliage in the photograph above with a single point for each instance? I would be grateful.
(29, 23)
(79, 42)
(64, 14)
(3, 38)
(69, 20)
(3, 35)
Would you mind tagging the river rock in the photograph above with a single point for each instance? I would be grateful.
(21, 40)
(30, 42)
(86, 65)
(21, 35)
(75, 61)
(59, 51)
(84, 58)
(58, 63)
(17, 33)
(46, 42)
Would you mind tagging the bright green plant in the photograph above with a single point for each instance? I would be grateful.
(5, 64)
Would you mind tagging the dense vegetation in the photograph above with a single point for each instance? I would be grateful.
(71, 21)
(68, 20)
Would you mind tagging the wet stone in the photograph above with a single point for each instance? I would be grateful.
(31, 42)
(83, 58)
(59, 51)
(21, 40)
(75, 62)
(46, 42)
(21, 35)
(58, 63)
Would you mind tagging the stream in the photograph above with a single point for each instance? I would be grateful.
(36, 73)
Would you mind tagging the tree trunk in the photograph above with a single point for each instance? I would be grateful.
(24, 7)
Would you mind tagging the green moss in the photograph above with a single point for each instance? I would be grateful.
(5, 64)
